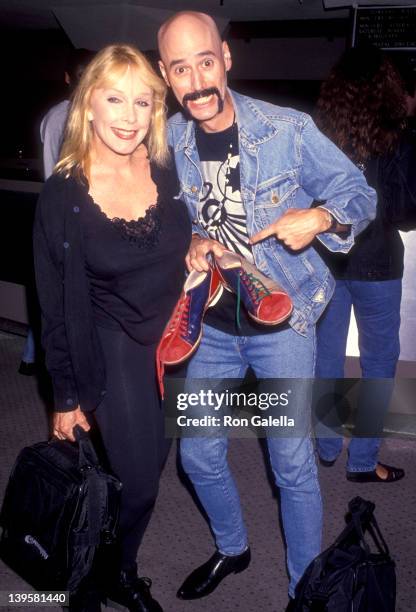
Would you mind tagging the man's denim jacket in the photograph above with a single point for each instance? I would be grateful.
(285, 162)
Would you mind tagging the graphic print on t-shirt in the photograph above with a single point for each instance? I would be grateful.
(221, 212)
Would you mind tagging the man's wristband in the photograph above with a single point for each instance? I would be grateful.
(333, 223)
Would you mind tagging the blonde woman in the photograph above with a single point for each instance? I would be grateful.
(110, 242)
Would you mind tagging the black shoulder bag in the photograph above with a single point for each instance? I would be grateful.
(348, 576)
(60, 506)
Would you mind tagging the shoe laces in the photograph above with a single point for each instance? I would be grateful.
(184, 315)
(180, 317)
(254, 286)
(140, 586)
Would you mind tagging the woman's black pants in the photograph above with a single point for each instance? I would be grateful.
(130, 421)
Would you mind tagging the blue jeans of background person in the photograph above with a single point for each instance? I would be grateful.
(28, 355)
(284, 354)
(377, 312)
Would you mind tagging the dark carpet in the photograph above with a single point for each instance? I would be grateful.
(179, 539)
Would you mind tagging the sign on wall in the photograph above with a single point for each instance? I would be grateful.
(392, 28)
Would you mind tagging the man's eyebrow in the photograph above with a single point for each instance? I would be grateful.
(200, 54)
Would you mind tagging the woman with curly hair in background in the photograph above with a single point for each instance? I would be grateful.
(362, 108)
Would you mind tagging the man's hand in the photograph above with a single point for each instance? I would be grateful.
(64, 422)
(196, 258)
(297, 228)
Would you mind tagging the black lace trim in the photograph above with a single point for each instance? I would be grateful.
(143, 232)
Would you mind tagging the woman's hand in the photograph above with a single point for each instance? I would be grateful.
(200, 248)
(64, 422)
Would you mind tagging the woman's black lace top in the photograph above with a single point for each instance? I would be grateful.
(136, 267)
(143, 232)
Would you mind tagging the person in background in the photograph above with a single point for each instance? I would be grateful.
(249, 171)
(362, 108)
(53, 123)
(27, 365)
(51, 134)
(110, 241)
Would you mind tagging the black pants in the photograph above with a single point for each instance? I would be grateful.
(130, 421)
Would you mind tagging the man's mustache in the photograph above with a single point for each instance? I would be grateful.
(202, 93)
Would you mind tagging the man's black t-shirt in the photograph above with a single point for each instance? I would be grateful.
(221, 213)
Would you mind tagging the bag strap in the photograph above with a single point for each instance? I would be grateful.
(97, 502)
(362, 512)
(87, 455)
(96, 486)
(377, 536)
(357, 508)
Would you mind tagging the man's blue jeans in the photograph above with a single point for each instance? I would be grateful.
(377, 312)
(284, 354)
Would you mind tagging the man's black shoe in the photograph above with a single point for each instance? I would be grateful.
(207, 577)
(133, 593)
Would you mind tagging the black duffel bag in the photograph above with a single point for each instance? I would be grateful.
(349, 576)
(60, 509)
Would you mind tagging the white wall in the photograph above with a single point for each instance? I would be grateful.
(408, 309)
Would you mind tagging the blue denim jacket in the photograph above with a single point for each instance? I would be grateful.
(285, 162)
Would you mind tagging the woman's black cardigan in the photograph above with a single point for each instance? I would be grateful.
(73, 352)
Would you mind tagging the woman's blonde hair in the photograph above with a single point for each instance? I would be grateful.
(103, 71)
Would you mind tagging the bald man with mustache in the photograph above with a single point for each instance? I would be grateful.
(249, 172)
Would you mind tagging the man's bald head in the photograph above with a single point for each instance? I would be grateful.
(185, 21)
(194, 62)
